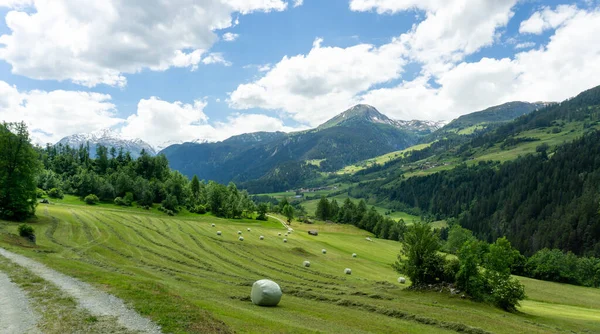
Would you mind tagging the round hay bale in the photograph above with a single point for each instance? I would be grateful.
(284, 240)
(324, 251)
(348, 271)
(213, 225)
(261, 237)
(241, 238)
(218, 232)
(279, 234)
(248, 229)
(239, 232)
(354, 255)
(265, 293)
(401, 280)
(306, 263)
(369, 239)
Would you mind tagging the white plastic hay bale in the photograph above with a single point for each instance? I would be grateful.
(324, 251)
(261, 237)
(239, 232)
(279, 234)
(284, 240)
(369, 239)
(248, 229)
(265, 293)
(348, 271)
(219, 233)
(213, 225)
(354, 255)
(401, 280)
(241, 238)
(306, 263)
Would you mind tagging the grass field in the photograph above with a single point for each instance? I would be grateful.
(178, 272)
(380, 160)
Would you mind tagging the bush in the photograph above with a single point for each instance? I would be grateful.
(199, 209)
(170, 203)
(56, 193)
(26, 231)
(91, 199)
(506, 292)
(40, 193)
(128, 198)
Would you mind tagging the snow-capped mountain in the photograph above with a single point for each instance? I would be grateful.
(166, 144)
(364, 112)
(421, 125)
(110, 139)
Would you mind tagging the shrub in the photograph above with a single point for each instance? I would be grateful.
(506, 292)
(56, 193)
(40, 193)
(170, 203)
(199, 209)
(26, 231)
(91, 199)
(128, 198)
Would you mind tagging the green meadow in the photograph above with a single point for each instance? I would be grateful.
(179, 273)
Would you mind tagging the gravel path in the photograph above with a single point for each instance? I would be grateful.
(16, 317)
(98, 303)
(282, 222)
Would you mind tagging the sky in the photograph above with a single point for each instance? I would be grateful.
(182, 70)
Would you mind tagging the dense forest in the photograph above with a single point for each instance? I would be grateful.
(536, 201)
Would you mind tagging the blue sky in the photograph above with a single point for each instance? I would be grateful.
(165, 73)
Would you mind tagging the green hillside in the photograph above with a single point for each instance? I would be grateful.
(178, 272)
(273, 162)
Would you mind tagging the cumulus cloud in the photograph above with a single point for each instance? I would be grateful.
(298, 3)
(230, 37)
(567, 65)
(318, 85)
(216, 58)
(547, 19)
(93, 42)
(161, 122)
(45, 112)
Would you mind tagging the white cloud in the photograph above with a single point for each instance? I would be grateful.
(567, 65)
(52, 115)
(230, 37)
(160, 122)
(548, 19)
(525, 45)
(318, 85)
(298, 3)
(94, 42)
(216, 58)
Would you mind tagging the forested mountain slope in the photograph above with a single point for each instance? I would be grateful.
(279, 160)
(547, 199)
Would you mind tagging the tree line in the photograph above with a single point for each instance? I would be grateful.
(360, 216)
(27, 172)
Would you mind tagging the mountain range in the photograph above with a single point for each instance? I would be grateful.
(109, 139)
(278, 160)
